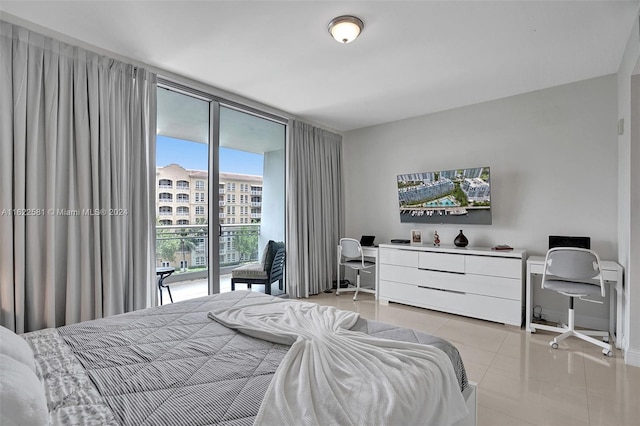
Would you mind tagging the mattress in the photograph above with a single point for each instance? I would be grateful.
(172, 365)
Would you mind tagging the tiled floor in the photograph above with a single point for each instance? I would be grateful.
(521, 379)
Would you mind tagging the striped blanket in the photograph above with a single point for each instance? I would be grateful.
(172, 365)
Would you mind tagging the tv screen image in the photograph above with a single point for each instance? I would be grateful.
(460, 196)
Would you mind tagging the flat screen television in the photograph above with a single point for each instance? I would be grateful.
(459, 196)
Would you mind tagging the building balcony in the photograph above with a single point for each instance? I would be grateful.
(191, 288)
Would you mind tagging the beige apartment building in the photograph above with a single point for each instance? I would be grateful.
(182, 199)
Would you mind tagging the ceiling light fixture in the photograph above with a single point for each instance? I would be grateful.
(345, 28)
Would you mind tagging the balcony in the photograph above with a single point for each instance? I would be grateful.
(190, 289)
(189, 244)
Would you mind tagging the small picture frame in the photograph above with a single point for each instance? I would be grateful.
(416, 236)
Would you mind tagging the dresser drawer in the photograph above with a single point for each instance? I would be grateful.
(505, 288)
(442, 262)
(494, 266)
(399, 257)
(473, 305)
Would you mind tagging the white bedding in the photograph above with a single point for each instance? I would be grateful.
(332, 375)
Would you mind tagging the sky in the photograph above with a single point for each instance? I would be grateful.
(194, 155)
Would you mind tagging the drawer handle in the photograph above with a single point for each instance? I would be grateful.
(441, 270)
(441, 289)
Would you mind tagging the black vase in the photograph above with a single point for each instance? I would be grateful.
(461, 240)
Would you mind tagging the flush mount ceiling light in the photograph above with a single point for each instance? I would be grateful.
(345, 28)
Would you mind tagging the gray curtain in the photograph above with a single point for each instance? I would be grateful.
(315, 219)
(77, 141)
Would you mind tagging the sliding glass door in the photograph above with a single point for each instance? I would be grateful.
(182, 202)
(220, 191)
(251, 189)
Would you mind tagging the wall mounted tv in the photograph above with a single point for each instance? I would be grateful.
(460, 196)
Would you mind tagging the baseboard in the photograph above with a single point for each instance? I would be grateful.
(632, 357)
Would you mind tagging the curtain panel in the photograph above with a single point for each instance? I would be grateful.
(315, 219)
(77, 146)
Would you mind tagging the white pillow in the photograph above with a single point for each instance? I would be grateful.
(16, 347)
(22, 399)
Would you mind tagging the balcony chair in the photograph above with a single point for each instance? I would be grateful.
(572, 271)
(350, 255)
(265, 273)
(163, 273)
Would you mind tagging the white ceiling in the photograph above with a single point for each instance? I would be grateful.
(413, 57)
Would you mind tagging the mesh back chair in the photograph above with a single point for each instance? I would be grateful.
(574, 272)
(350, 255)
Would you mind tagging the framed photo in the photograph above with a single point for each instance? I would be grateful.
(416, 236)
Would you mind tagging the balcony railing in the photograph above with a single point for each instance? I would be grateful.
(186, 245)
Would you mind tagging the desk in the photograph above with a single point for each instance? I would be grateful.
(612, 273)
(163, 273)
(371, 253)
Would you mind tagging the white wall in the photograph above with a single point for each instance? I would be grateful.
(629, 191)
(553, 158)
(273, 196)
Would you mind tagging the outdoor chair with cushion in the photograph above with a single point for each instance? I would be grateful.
(270, 270)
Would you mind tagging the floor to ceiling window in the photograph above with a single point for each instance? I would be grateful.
(182, 170)
(251, 188)
(220, 172)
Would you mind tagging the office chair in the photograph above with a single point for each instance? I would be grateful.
(572, 272)
(350, 255)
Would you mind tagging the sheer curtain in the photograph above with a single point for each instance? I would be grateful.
(77, 138)
(315, 218)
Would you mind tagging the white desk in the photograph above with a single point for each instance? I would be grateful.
(372, 254)
(612, 273)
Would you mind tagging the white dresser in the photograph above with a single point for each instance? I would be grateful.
(473, 281)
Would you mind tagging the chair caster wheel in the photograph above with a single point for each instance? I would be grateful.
(554, 345)
(607, 353)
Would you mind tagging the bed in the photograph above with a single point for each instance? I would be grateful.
(176, 365)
